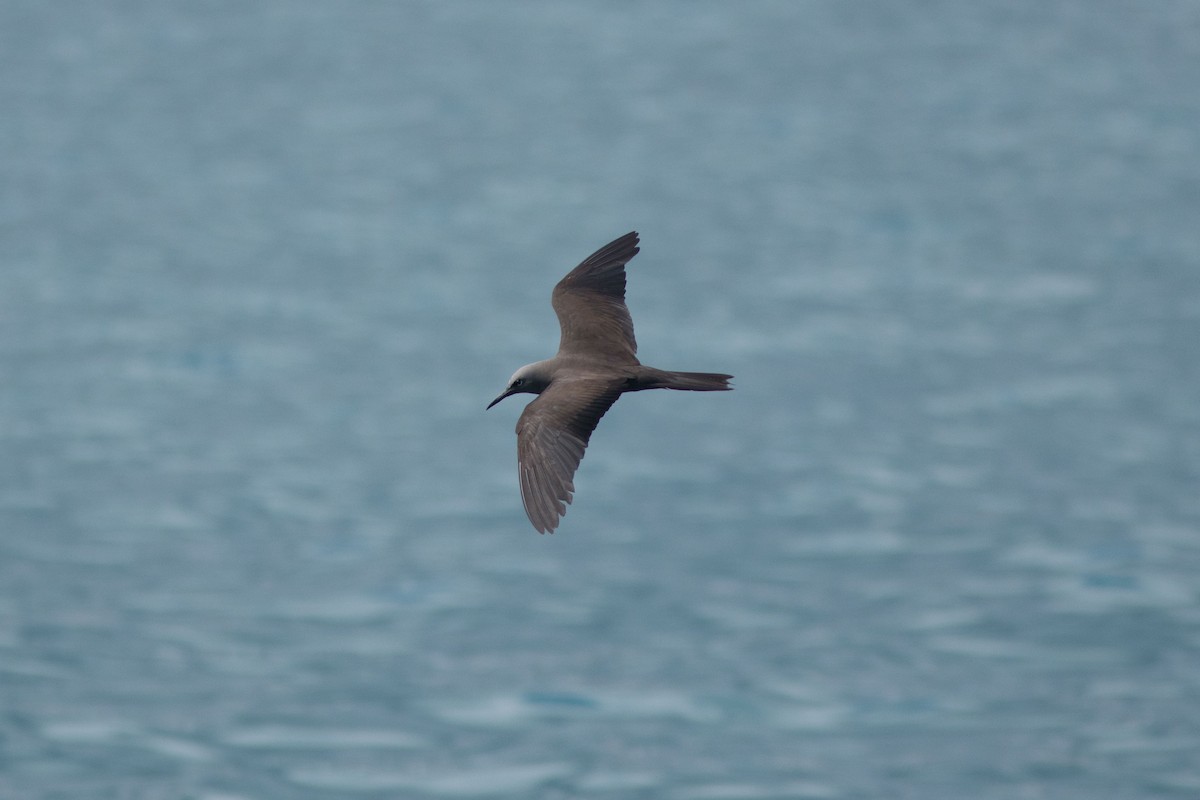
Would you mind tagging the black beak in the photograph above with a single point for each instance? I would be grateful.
(503, 395)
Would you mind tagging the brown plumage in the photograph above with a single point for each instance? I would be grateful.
(596, 363)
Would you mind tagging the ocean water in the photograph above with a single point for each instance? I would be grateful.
(263, 265)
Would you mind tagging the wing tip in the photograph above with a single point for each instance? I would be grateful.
(618, 252)
(544, 508)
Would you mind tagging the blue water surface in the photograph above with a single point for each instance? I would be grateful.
(262, 265)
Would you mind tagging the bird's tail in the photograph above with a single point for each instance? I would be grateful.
(688, 381)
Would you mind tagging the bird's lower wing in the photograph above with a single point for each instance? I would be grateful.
(552, 434)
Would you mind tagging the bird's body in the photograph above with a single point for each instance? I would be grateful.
(596, 363)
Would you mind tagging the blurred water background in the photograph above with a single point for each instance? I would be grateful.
(263, 264)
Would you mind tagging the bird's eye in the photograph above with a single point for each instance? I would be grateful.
(518, 381)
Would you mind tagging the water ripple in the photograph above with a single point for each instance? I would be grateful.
(477, 782)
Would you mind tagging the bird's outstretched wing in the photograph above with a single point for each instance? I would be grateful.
(552, 434)
(590, 303)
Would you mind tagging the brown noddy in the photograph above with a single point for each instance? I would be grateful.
(596, 363)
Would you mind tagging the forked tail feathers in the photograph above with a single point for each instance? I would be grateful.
(692, 381)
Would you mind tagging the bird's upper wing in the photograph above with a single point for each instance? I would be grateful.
(552, 434)
(590, 303)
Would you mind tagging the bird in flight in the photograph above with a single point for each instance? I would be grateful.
(596, 363)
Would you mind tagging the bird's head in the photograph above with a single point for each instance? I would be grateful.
(531, 379)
